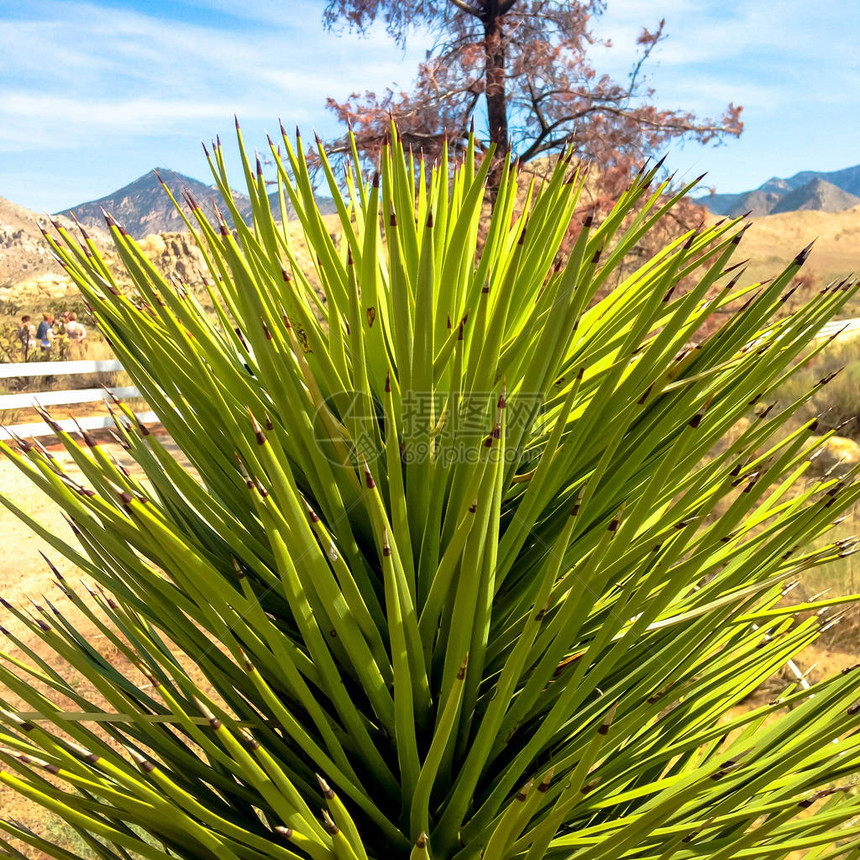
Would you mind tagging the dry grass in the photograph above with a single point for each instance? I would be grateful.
(774, 240)
(24, 576)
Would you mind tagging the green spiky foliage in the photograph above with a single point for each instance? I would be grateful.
(459, 568)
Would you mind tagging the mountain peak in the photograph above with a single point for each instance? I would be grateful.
(142, 207)
(809, 189)
(817, 194)
(776, 185)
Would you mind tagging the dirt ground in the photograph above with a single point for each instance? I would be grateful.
(24, 576)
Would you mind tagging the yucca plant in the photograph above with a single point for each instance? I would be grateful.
(460, 569)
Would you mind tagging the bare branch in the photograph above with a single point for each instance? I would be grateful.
(465, 7)
(529, 61)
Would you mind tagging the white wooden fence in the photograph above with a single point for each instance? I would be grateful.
(839, 327)
(97, 395)
(62, 398)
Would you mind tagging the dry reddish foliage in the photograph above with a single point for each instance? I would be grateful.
(523, 67)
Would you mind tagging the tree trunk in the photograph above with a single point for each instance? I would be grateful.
(496, 93)
(495, 88)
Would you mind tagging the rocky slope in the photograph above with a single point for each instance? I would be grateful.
(175, 254)
(808, 189)
(817, 194)
(24, 254)
(756, 203)
(31, 281)
(30, 277)
(143, 208)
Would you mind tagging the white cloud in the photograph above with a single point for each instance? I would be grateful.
(771, 57)
(787, 32)
(110, 90)
(25, 115)
(103, 70)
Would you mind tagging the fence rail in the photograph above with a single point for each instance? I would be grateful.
(839, 327)
(95, 395)
(57, 368)
(63, 398)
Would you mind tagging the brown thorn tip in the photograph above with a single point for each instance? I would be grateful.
(524, 792)
(386, 545)
(325, 788)
(368, 477)
(801, 258)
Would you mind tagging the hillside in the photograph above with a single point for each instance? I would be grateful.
(809, 189)
(848, 179)
(24, 254)
(143, 208)
(818, 195)
(30, 278)
(757, 203)
(31, 281)
(773, 241)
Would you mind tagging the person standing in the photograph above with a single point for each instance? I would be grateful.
(45, 333)
(75, 332)
(26, 335)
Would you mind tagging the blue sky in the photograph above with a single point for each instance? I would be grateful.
(94, 94)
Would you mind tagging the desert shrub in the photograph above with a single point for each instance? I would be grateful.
(447, 571)
(97, 349)
(838, 402)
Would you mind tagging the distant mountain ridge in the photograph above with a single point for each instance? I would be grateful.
(816, 194)
(32, 280)
(832, 191)
(143, 208)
